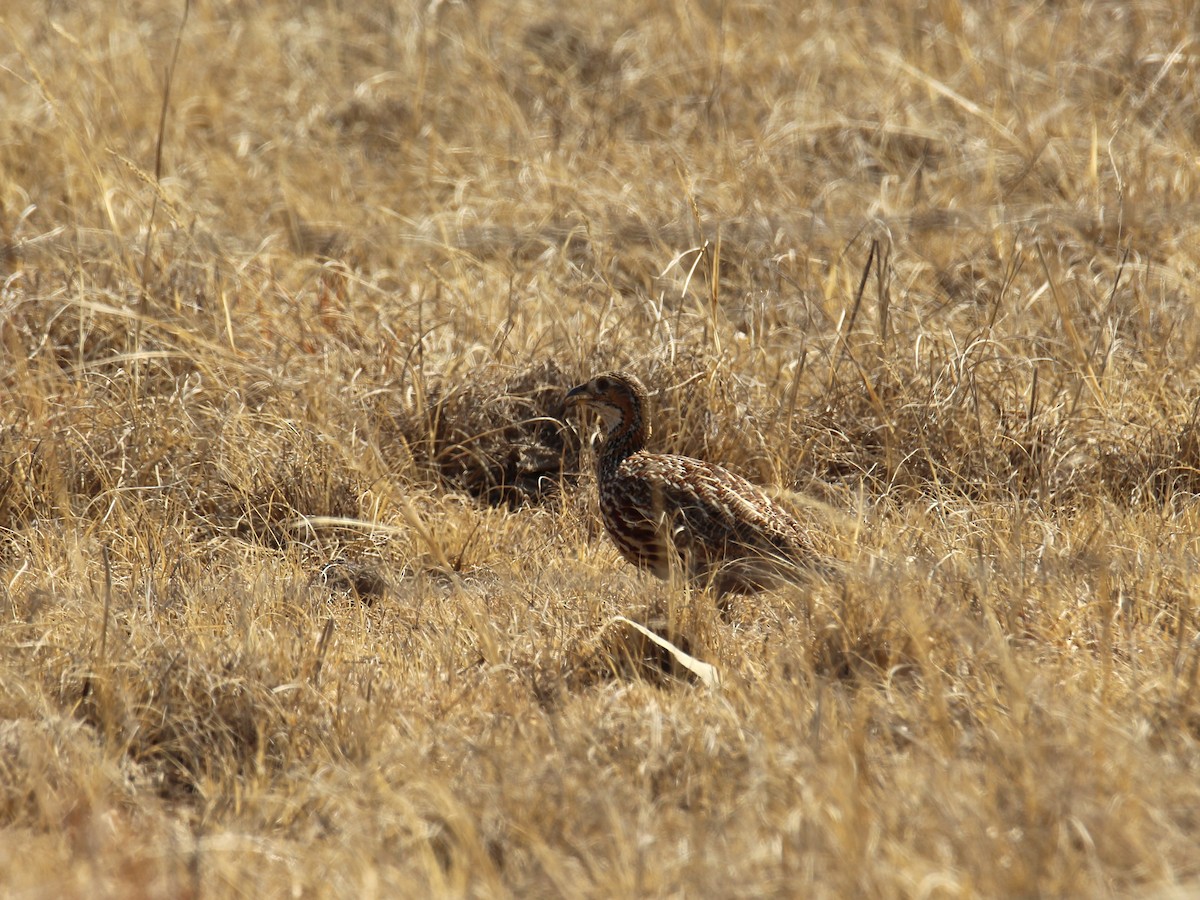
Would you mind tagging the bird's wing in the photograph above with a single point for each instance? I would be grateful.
(714, 505)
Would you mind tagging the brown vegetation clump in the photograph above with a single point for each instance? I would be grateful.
(302, 579)
(495, 436)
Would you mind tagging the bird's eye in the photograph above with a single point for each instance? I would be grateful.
(603, 384)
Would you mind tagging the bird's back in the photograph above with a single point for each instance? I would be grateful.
(719, 524)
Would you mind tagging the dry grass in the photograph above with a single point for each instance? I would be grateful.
(302, 582)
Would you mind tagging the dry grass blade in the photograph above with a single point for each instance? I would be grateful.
(705, 672)
(1068, 325)
(954, 96)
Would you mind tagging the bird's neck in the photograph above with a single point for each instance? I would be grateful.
(626, 438)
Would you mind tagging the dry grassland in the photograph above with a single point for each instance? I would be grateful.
(302, 583)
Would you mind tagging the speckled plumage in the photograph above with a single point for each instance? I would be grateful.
(655, 506)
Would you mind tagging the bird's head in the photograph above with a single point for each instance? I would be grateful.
(619, 398)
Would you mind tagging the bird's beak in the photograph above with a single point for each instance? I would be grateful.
(575, 396)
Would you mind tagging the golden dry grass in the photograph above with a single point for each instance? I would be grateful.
(303, 587)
